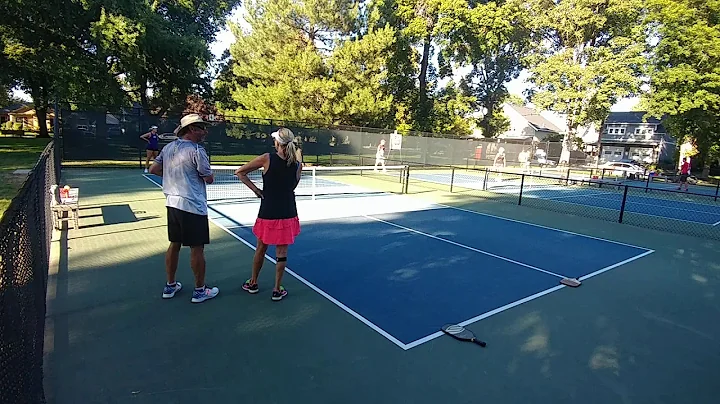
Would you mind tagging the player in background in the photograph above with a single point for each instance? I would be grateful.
(684, 173)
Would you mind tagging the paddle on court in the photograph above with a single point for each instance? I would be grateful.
(461, 333)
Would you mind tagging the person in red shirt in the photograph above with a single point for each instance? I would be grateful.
(684, 173)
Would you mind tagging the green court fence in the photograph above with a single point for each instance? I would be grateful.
(25, 235)
(114, 134)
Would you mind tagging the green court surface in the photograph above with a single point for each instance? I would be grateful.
(644, 332)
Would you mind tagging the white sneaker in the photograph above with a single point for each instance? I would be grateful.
(206, 293)
(146, 171)
(170, 291)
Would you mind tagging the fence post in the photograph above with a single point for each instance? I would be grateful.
(567, 177)
(717, 188)
(407, 178)
(452, 178)
(622, 207)
(522, 183)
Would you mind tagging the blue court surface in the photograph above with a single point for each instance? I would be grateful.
(673, 205)
(405, 268)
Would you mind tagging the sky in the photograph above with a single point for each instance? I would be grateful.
(225, 38)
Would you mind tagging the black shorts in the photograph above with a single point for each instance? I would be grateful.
(187, 228)
(152, 149)
(683, 177)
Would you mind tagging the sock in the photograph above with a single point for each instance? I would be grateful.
(200, 288)
(172, 284)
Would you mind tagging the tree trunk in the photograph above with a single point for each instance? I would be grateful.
(422, 105)
(143, 94)
(39, 95)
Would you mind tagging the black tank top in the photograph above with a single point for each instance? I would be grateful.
(279, 184)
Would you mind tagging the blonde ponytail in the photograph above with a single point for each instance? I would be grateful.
(287, 140)
(292, 153)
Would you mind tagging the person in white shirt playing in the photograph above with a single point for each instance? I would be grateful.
(380, 155)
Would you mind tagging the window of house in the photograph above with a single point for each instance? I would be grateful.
(616, 130)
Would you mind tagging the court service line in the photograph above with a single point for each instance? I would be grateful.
(466, 247)
(578, 195)
(486, 315)
(541, 226)
(613, 266)
(656, 207)
(716, 223)
(300, 278)
(525, 300)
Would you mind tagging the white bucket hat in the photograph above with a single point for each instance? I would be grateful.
(189, 120)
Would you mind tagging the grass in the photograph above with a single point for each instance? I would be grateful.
(16, 153)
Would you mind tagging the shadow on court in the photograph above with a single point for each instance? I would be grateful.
(640, 333)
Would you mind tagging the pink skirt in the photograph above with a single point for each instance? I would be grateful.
(277, 231)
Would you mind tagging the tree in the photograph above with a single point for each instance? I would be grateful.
(491, 39)
(684, 72)
(589, 55)
(300, 64)
(420, 20)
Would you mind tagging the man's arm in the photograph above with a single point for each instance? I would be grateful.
(203, 166)
(157, 165)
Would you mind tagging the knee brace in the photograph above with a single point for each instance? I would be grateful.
(281, 259)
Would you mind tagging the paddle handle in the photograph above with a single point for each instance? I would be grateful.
(477, 341)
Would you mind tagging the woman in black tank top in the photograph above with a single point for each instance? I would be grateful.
(277, 222)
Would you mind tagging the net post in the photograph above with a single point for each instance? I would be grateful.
(717, 188)
(522, 183)
(484, 187)
(622, 207)
(452, 179)
(314, 181)
(647, 183)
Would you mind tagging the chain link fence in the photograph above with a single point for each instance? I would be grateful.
(114, 134)
(641, 200)
(25, 235)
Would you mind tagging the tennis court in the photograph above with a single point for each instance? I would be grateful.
(388, 252)
(659, 199)
(377, 273)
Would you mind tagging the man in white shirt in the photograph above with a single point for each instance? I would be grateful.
(185, 170)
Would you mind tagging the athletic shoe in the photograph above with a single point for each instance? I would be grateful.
(146, 171)
(206, 293)
(250, 288)
(279, 294)
(170, 290)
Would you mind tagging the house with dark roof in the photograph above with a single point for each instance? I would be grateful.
(528, 124)
(630, 136)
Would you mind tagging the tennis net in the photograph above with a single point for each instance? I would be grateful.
(315, 182)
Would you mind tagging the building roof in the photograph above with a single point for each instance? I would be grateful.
(12, 108)
(537, 121)
(631, 117)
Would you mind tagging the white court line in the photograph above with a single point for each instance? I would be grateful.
(467, 247)
(486, 315)
(574, 196)
(464, 323)
(303, 280)
(716, 223)
(541, 226)
(657, 207)
(524, 300)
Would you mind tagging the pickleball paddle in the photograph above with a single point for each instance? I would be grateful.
(461, 333)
